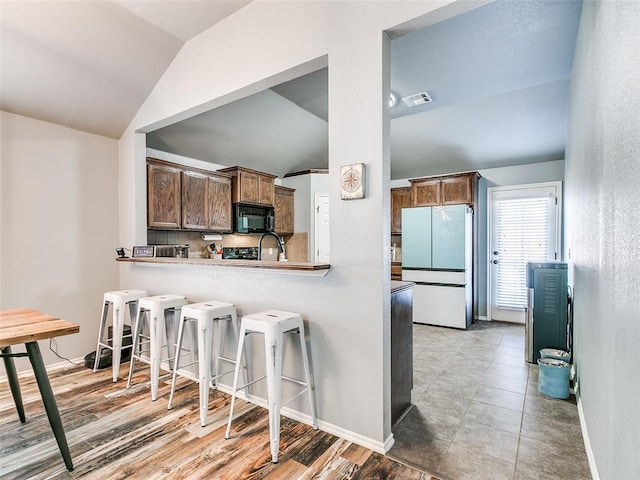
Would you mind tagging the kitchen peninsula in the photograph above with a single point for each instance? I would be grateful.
(308, 268)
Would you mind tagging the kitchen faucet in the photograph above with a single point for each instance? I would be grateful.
(283, 257)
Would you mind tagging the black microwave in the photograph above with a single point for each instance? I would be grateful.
(252, 218)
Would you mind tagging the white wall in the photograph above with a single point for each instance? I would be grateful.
(603, 235)
(59, 225)
(304, 203)
(347, 311)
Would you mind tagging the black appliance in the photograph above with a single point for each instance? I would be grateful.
(240, 253)
(252, 218)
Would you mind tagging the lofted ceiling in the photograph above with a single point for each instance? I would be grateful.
(499, 76)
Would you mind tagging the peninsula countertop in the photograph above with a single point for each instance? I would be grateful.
(320, 269)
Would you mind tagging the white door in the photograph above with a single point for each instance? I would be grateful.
(524, 226)
(321, 254)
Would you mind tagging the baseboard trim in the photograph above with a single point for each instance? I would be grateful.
(371, 444)
(378, 447)
(482, 317)
(587, 443)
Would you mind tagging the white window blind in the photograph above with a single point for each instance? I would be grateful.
(523, 236)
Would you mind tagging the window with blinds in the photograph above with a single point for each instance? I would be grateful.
(523, 236)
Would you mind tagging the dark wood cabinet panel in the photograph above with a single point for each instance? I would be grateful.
(400, 198)
(163, 196)
(194, 192)
(401, 350)
(219, 217)
(184, 198)
(250, 186)
(425, 193)
(456, 189)
(284, 209)
(396, 271)
(266, 194)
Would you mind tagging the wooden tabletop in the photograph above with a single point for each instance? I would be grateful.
(23, 325)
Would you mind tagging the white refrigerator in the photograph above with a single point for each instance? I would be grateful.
(437, 255)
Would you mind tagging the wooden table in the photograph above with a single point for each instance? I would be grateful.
(23, 325)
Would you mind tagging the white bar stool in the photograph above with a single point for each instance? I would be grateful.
(155, 307)
(119, 301)
(273, 324)
(208, 315)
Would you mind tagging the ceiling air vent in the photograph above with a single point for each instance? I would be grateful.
(417, 99)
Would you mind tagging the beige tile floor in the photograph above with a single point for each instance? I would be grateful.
(478, 414)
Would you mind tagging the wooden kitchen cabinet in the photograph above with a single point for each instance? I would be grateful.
(250, 186)
(400, 198)
(183, 198)
(401, 349)
(194, 208)
(163, 196)
(456, 189)
(218, 201)
(284, 209)
(396, 270)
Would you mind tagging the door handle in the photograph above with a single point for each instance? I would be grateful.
(495, 252)
(495, 262)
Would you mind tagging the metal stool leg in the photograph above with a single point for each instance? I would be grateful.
(157, 328)
(116, 340)
(307, 374)
(205, 345)
(103, 324)
(235, 379)
(176, 363)
(135, 347)
(273, 357)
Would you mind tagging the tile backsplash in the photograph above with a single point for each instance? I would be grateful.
(296, 245)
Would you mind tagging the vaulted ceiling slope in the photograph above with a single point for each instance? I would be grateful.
(499, 76)
(89, 65)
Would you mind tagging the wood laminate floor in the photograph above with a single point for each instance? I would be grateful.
(114, 433)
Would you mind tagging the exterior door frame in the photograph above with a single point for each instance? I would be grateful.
(557, 185)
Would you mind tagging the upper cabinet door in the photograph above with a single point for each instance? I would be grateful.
(425, 193)
(194, 190)
(400, 198)
(457, 190)
(248, 187)
(284, 205)
(219, 217)
(163, 197)
(416, 237)
(265, 190)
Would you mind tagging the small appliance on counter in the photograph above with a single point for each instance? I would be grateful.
(240, 253)
(179, 251)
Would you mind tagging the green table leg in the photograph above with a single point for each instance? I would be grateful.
(14, 384)
(49, 401)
